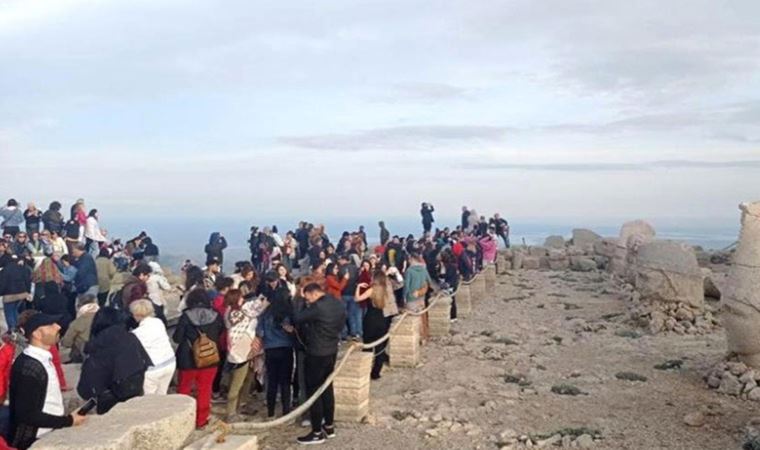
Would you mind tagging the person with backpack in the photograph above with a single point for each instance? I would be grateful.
(197, 338)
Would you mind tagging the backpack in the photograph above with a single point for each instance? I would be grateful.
(205, 351)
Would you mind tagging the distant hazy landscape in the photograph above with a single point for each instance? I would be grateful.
(182, 239)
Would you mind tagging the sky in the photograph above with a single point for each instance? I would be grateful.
(551, 110)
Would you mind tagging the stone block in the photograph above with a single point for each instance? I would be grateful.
(151, 422)
(351, 412)
(531, 263)
(439, 317)
(464, 301)
(490, 276)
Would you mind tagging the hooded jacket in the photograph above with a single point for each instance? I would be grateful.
(190, 323)
(215, 247)
(415, 278)
(115, 367)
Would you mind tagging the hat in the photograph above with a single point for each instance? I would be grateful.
(38, 320)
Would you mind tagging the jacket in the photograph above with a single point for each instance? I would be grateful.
(78, 333)
(106, 271)
(92, 230)
(273, 335)
(156, 283)
(215, 247)
(334, 286)
(415, 278)
(53, 221)
(151, 333)
(489, 247)
(207, 321)
(323, 321)
(7, 352)
(15, 283)
(12, 216)
(114, 370)
(87, 273)
(241, 330)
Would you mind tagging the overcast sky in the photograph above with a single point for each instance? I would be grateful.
(597, 110)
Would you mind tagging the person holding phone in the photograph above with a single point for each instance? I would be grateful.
(36, 402)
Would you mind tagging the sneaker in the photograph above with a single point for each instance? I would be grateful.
(217, 399)
(329, 432)
(312, 438)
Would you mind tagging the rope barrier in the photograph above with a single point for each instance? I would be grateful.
(291, 416)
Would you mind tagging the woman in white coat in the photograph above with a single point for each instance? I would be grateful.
(151, 333)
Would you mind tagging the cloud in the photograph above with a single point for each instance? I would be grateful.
(617, 167)
(400, 138)
(422, 92)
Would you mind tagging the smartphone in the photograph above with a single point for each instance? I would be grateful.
(87, 407)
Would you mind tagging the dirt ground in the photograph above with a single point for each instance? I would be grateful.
(491, 381)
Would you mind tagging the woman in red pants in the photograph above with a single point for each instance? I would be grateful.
(198, 318)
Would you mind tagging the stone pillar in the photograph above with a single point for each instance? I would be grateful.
(741, 314)
(478, 288)
(464, 301)
(439, 317)
(632, 234)
(490, 276)
(351, 387)
(404, 344)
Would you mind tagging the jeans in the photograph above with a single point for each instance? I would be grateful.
(11, 314)
(279, 364)
(354, 314)
(202, 380)
(318, 368)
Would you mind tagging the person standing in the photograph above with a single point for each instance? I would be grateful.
(106, 270)
(427, 217)
(86, 279)
(52, 219)
(465, 218)
(385, 235)
(324, 318)
(151, 332)
(32, 217)
(198, 321)
(354, 313)
(417, 282)
(215, 248)
(15, 289)
(36, 401)
(94, 236)
(12, 218)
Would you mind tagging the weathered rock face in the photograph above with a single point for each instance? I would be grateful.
(554, 242)
(152, 422)
(742, 295)
(667, 272)
(585, 239)
(632, 235)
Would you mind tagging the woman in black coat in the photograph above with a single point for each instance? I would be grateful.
(114, 369)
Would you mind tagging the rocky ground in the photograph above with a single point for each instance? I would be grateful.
(550, 360)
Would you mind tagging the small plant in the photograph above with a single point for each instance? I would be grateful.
(630, 376)
(670, 365)
(631, 334)
(567, 389)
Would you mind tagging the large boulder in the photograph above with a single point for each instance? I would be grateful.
(554, 242)
(585, 239)
(632, 235)
(151, 422)
(741, 313)
(667, 272)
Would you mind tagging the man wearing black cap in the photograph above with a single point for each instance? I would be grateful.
(36, 402)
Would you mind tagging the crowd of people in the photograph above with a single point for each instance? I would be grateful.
(274, 325)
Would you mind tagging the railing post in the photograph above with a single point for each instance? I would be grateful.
(404, 343)
(351, 387)
(439, 317)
